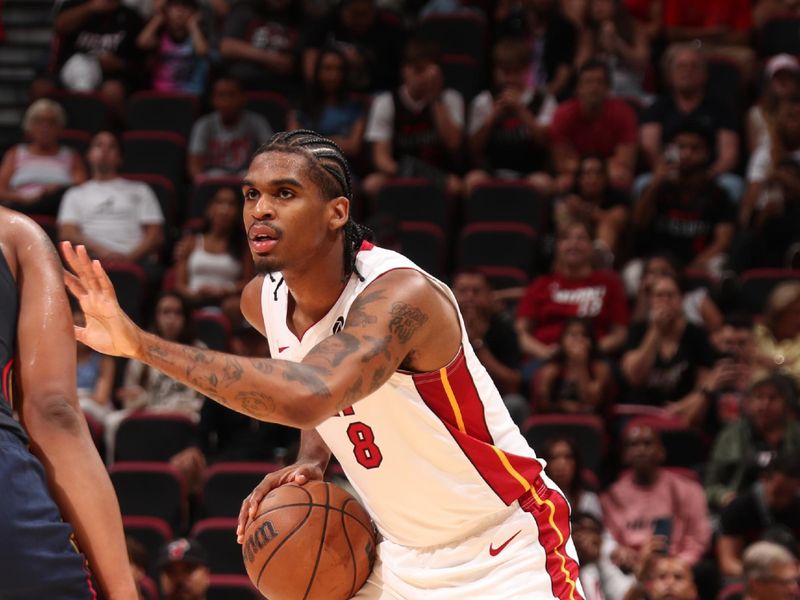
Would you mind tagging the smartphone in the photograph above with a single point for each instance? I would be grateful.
(663, 528)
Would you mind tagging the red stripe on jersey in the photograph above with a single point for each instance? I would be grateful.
(551, 513)
(7, 380)
(452, 396)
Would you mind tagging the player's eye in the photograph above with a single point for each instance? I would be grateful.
(285, 193)
(251, 194)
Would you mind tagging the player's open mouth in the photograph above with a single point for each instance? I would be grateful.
(262, 238)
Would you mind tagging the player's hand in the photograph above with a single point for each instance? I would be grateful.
(298, 473)
(108, 329)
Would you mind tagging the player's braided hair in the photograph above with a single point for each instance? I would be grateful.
(332, 174)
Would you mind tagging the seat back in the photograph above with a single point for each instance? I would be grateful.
(426, 245)
(149, 436)
(586, 431)
(152, 532)
(503, 251)
(273, 106)
(227, 484)
(161, 111)
(218, 537)
(130, 283)
(212, 328)
(509, 201)
(414, 199)
(156, 153)
(779, 36)
(756, 285)
(85, 111)
(148, 489)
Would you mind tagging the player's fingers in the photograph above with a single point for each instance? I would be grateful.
(70, 257)
(80, 333)
(103, 281)
(74, 285)
(243, 512)
(83, 269)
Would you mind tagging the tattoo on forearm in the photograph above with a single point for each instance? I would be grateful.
(336, 348)
(263, 365)
(232, 371)
(310, 376)
(406, 320)
(352, 394)
(257, 404)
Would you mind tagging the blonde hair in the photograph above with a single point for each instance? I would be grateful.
(41, 106)
(759, 559)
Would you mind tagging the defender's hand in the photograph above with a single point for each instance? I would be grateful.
(108, 329)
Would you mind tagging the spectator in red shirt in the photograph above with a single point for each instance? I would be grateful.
(593, 123)
(574, 289)
(722, 26)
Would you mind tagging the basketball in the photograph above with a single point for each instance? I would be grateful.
(309, 542)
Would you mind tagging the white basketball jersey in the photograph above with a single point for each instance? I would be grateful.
(433, 454)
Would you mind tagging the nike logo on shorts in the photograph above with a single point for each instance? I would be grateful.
(495, 551)
(282, 349)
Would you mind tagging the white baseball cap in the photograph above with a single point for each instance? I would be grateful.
(781, 62)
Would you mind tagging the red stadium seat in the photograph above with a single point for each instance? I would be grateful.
(212, 328)
(414, 199)
(504, 200)
(130, 283)
(504, 251)
(86, 111)
(153, 436)
(151, 532)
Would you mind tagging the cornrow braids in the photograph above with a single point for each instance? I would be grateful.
(332, 174)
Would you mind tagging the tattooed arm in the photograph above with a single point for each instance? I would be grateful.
(399, 320)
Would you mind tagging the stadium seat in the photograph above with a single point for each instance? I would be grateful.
(587, 431)
(153, 436)
(151, 532)
(273, 106)
(462, 73)
(218, 536)
(426, 245)
(159, 111)
(756, 285)
(693, 279)
(778, 36)
(503, 251)
(203, 190)
(156, 153)
(502, 200)
(456, 34)
(77, 139)
(414, 199)
(164, 191)
(227, 484)
(85, 111)
(685, 446)
(130, 283)
(732, 591)
(231, 587)
(212, 328)
(151, 489)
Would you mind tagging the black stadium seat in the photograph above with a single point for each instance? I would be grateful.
(273, 106)
(503, 251)
(503, 200)
(757, 284)
(218, 537)
(227, 484)
(159, 111)
(779, 36)
(85, 111)
(153, 436)
(130, 283)
(414, 199)
(587, 431)
(457, 34)
(425, 244)
(151, 532)
(151, 489)
(212, 328)
(155, 152)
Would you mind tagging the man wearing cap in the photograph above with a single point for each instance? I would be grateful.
(183, 570)
(781, 80)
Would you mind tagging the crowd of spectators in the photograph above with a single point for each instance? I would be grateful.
(661, 140)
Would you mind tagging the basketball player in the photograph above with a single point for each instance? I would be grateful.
(371, 360)
(37, 557)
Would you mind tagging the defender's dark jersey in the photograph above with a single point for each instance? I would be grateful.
(9, 309)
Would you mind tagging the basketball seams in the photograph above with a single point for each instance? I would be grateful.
(343, 514)
(315, 505)
(286, 538)
(327, 507)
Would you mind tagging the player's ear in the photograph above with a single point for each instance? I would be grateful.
(338, 212)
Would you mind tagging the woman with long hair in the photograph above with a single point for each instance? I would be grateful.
(215, 263)
(565, 468)
(329, 108)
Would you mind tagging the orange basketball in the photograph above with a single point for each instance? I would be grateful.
(309, 542)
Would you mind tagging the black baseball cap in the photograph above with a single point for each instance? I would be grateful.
(182, 550)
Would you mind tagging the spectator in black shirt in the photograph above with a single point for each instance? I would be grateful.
(371, 39)
(682, 209)
(769, 511)
(667, 357)
(492, 337)
(686, 73)
(261, 43)
(99, 32)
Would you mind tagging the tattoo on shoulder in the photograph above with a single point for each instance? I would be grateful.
(358, 317)
(352, 394)
(406, 320)
(377, 346)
